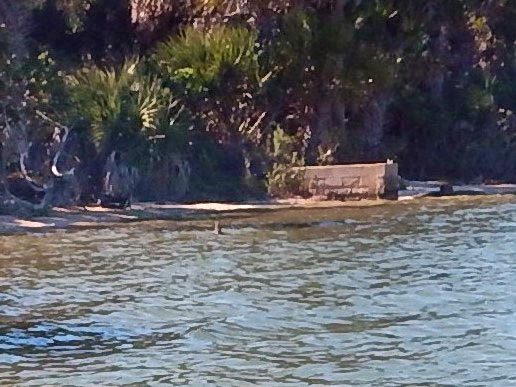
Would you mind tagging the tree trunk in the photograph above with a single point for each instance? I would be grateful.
(374, 125)
(119, 182)
(331, 109)
(3, 165)
(436, 78)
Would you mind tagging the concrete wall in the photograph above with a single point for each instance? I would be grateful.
(372, 181)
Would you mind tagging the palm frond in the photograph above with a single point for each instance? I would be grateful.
(198, 59)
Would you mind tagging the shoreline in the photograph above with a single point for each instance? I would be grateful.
(74, 218)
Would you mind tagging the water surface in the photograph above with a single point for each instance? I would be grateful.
(409, 294)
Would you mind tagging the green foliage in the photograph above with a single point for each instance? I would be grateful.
(432, 86)
(201, 61)
(285, 176)
(47, 82)
(121, 103)
(217, 75)
(74, 12)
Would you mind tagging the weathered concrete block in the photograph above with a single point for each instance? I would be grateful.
(371, 181)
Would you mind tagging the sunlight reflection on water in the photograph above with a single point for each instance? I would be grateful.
(420, 294)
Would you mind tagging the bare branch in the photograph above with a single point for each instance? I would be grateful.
(58, 140)
(53, 122)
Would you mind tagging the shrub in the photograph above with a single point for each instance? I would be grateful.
(121, 105)
(201, 61)
(285, 176)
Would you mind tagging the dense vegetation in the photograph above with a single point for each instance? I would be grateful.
(193, 99)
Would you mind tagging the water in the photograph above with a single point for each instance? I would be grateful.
(419, 294)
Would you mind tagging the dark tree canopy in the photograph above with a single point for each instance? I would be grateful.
(218, 98)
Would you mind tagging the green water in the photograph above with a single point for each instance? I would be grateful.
(412, 294)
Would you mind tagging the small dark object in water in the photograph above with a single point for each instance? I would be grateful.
(114, 202)
(446, 190)
(217, 229)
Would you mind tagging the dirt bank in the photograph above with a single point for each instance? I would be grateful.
(98, 217)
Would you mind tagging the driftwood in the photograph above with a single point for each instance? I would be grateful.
(20, 193)
(21, 187)
(115, 202)
(119, 183)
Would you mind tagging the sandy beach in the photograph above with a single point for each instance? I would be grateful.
(99, 217)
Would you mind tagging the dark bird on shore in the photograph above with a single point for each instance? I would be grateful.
(217, 229)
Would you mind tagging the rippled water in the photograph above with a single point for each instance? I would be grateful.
(410, 294)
